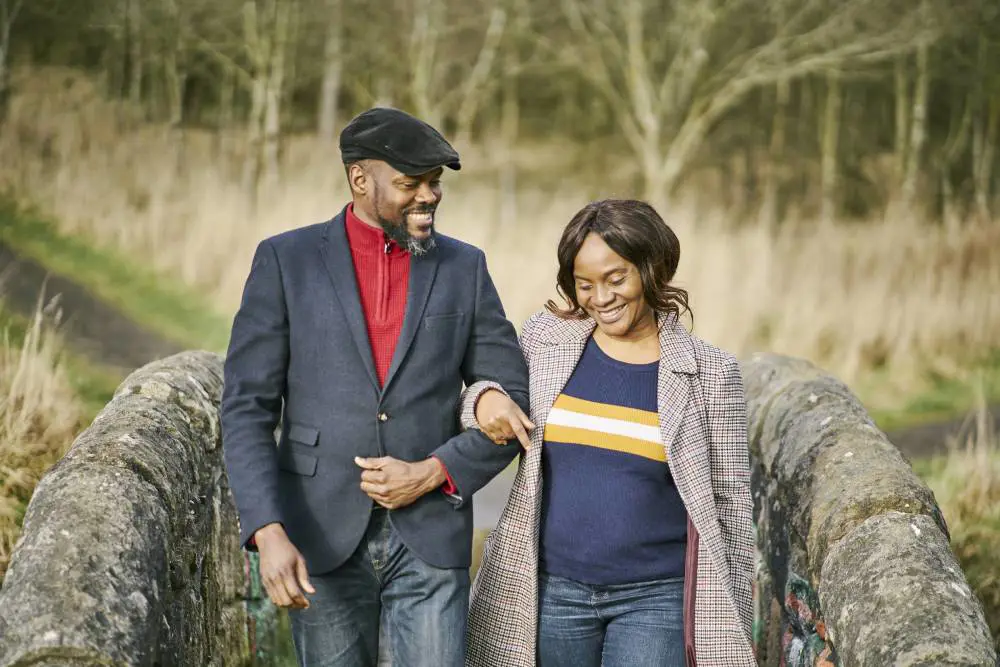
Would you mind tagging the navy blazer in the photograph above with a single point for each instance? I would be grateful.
(299, 356)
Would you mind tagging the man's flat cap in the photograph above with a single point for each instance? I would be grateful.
(407, 143)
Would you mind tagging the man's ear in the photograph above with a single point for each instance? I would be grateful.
(359, 178)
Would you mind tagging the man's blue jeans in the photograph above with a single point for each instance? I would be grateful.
(422, 608)
(629, 625)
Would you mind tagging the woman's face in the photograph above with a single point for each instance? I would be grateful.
(609, 289)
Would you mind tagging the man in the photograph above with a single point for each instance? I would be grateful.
(359, 334)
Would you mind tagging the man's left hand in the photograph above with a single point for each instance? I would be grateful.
(394, 484)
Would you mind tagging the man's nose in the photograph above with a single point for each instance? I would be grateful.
(426, 194)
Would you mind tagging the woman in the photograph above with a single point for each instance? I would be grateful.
(627, 537)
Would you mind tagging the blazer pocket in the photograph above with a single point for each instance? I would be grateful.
(302, 464)
(303, 435)
(443, 321)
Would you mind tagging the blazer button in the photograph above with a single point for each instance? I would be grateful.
(383, 417)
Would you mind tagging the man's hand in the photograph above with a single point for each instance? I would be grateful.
(282, 568)
(393, 483)
(501, 419)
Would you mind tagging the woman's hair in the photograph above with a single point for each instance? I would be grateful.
(636, 232)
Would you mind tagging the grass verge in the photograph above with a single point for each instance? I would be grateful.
(966, 484)
(149, 299)
(946, 397)
(40, 414)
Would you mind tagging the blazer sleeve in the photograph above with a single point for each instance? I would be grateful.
(491, 355)
(254, 384)
(730, 461)
(471, 394)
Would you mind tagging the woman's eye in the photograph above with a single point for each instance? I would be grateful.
(617, 281)
(583, 288)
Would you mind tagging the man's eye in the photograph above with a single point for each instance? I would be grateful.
(435, 183)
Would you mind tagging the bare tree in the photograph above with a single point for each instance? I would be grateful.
(829, 164)
(670, 74)
(267, 25)
(333, 66)
(985, 133)
(918, 128)
(9, 9)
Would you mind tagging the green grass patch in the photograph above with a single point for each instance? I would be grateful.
(149, 299)
(946, 397)
(94, 385)
(966, 485)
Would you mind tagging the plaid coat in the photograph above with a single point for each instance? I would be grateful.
(704, 430)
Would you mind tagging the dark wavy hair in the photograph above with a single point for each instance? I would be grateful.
(636, 232)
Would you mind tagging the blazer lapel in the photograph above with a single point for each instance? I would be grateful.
(423, 269)
(340, 265)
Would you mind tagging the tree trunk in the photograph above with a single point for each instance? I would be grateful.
(510, 113)
(135, 52)
(423, 60)
(475, 88)
(259, 50)
(983, 167)
(829, 164)
(902, 116)
(918, 130)
(333, 66)
(275, 88)
(7, 17)
(769, 210)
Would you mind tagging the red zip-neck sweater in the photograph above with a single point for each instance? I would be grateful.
(382, 270)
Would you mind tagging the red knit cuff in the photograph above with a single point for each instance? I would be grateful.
(449, 485)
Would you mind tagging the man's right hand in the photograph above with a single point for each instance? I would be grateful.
(282, 568)
(501, 419)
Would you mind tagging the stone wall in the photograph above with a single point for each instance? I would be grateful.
(129, 553)
(854, 565)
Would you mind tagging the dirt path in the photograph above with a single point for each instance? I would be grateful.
(105, 336)
(91, 327)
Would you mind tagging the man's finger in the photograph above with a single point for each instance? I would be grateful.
(373, 489)
(302, 573)
(298, 598)
(279, 595)
(372, 463)
(373, 476)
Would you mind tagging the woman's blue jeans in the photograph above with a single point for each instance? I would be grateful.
(628, 625)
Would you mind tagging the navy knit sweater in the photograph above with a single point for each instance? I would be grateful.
(611, 513)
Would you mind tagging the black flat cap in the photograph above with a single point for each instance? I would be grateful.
(407, 143)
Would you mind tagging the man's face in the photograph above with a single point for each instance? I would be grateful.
(404, 206)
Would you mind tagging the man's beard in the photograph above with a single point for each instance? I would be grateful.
(398, 232)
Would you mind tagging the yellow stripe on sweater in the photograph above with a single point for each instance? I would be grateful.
(619, 443)
(634, 415)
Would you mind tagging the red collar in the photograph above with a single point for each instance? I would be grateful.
(365, 238)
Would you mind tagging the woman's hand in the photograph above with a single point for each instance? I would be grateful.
(501, 419)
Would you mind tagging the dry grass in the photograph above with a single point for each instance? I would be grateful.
(891, 294)
(966, 484)
(39, 417)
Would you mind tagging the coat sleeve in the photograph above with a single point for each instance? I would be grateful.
(730, 461)
(254, 385)
(491, 355)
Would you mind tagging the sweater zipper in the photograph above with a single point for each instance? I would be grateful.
(383, 283)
